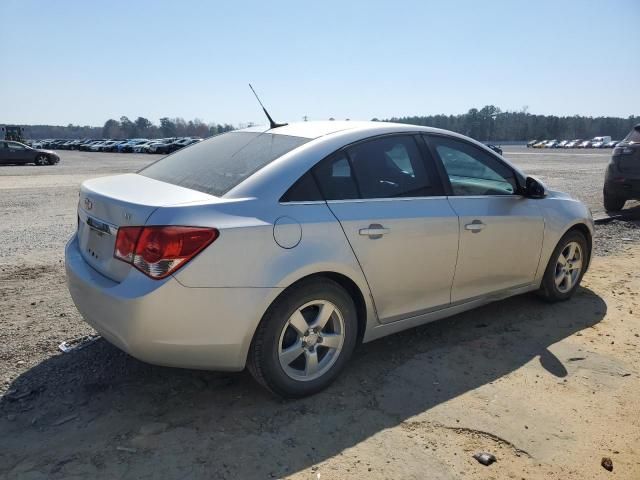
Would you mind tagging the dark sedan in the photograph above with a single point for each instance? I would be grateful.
(15, 152)
(176, 145)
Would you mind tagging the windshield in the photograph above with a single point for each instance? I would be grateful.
(634, 135)
(216, 165)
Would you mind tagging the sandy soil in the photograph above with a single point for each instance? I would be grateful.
(548, 389)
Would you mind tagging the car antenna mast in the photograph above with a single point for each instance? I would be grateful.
(272, 124)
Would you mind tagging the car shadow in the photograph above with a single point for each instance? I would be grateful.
(99, 412)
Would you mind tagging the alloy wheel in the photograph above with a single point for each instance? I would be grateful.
(568, 267)
(311, 340)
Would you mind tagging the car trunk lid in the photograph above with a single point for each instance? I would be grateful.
(108, 203)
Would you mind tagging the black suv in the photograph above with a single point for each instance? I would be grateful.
(622, 180)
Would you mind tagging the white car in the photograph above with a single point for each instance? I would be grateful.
(281, 249)
(142, 147)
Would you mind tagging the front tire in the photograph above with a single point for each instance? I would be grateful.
(613, 203)
(566, 267)
(305, 339)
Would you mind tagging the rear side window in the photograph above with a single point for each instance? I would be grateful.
(216, 165)
(335, 178)
(304, 190)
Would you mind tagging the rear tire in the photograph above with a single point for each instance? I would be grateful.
(304, 339)
(566, 267)
(613, 203)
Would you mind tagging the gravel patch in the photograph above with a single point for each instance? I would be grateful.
(614, 236)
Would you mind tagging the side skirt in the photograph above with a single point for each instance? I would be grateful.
(383, 330)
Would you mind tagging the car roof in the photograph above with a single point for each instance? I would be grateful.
(318, 129)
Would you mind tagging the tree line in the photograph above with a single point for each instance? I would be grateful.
(125, 128)
(168, 127)
(493, 125)
(486, 124)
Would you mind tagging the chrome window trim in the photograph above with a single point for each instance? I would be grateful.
(404, 199)
(397, 199)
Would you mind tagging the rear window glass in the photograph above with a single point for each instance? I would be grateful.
(634, 135)
(216, 165)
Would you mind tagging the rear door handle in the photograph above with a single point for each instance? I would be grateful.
(374, 231)
(475, 226)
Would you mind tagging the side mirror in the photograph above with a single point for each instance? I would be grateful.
(535, 188)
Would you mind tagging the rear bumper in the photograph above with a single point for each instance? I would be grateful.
(163, 322)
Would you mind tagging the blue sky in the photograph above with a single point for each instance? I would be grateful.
(83, 62)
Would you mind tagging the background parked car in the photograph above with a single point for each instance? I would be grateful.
(495, 148)
(622, 178)
(153, 147)
(128, 146)
(177, 145)
(142, 147)
(16, 152)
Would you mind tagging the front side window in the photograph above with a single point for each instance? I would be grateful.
(217, 165)
(472, 171)
(15, 146)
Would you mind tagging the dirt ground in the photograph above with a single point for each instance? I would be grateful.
(548, 389)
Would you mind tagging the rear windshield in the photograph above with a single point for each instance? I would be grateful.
(216, 165)
(634, 135)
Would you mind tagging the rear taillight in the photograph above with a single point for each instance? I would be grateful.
(159, 251)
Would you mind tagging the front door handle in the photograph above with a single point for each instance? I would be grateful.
(374, 231)
(475, 226)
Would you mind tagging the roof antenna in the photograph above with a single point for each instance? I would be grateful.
(272, 124)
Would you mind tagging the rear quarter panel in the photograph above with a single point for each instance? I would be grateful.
(246, 254)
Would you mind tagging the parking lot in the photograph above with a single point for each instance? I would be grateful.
(548, 389)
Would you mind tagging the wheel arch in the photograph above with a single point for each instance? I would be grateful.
(586, 231)
(348, 284)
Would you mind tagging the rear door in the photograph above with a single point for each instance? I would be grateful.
(402, 229)
(501, 231)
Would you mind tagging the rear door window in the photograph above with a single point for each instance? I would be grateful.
(391, 167)
(217, 165)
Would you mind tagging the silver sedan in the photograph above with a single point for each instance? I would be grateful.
(282, 249)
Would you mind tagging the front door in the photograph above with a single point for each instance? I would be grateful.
(402, 229)
(501, 231)
(4, 152)
(18, 153)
